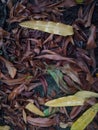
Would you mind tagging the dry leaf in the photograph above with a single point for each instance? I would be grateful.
(42, 122)
(86, 94)
(50, 27)
(32, 108)
(65, 101)
(24, 116)
(11, 69)
(85, 119)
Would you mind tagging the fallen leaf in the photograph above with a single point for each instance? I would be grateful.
(83, 121)
(42, 122)
(24, 116)
(49, 111)
(65, 101)
(49, 26)
(15, 81)
(86, 94)
(11, 69)
(69, 71)
(32, 108)
(16, 91)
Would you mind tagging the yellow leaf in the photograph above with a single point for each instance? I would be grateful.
(32, 108)
(84, 120)
(4, 127)
(66, 101)
(24, 116)
(86, 94)
(49, 26)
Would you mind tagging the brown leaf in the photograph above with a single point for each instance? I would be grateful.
(15, 81)
(42, 122)
(71, 73)
(11, 69)
(16, 92)
(56, 57)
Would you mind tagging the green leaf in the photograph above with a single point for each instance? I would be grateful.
(49, 111)
(58, 77)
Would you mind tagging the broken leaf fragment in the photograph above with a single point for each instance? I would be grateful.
(49, 111)
(32, 108)
(66, 101)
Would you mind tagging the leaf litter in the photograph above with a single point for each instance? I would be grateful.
(43, 63)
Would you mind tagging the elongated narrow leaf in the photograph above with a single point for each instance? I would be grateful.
(32, 108)
(4, 127)
(24, 116)
(42, 122)
(50, 27)
(11, 69)
(86, 94)
(66, 101)
(85, 119)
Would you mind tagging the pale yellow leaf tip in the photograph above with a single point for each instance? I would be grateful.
(32, 108)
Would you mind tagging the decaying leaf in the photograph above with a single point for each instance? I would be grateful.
(66, 101)
(32, 108)
(68, 47)
(15, 81)
(11, 69)
(16, 92)
(42, 122)
(68, 70)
